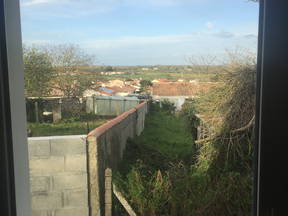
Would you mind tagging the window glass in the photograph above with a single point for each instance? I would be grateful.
(142, 107)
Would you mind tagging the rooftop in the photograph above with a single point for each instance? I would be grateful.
(181, 88)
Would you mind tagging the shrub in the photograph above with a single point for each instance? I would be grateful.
(168, 106)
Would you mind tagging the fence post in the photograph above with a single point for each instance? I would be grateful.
(36, 112)
(108, 192)
(57, 111)
(93, 177)
(93, 105)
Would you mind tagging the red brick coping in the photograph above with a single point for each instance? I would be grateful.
(103, 128)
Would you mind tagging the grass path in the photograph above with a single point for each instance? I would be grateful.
(166, 138)
(166, 141)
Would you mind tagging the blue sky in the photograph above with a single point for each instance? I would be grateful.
(142, 32)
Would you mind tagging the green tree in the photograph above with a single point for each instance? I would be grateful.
(38, 71)
(108, 69)
(145, 84)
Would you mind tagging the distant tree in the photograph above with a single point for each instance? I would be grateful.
(108, 69)
(38, 71)
(69, 61)
(145, 84)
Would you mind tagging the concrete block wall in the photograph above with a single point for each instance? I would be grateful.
(106, 145)
(58, 176)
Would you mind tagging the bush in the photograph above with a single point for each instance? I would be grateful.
(168, 106)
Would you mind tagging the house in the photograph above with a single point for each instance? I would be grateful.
(112, 91)
(111, 83)
(122, 91)
(178, 92)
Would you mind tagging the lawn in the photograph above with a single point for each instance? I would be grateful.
(64, 128)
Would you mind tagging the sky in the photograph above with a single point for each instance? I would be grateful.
(143, 32)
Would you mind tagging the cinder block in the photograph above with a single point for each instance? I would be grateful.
(39, 148)
(65, 181)
(72, 212)
(40, 213)
(76, 163)
(67, 146)
(40, 183)
(47, 201)
(108, 196)
(76, 198)
(108, 183)
(46, 166)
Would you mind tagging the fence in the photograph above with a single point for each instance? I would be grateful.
(53, 108)
(110, 105)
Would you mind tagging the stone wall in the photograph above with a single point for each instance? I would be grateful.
(58, 176)
(106, 145)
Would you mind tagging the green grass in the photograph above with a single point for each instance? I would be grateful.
(63, 128)
(160, 175)
(167, 134)
(166, 138)
(167, 72)
(150, 75)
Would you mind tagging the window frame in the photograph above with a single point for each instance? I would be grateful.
(14, 186)
(14, 164)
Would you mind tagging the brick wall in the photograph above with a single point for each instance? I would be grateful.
(58, 176)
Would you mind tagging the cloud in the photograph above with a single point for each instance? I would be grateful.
(251, 36)
(224, 34)
(196, 39)
(136, 41)
(158, 49)
(210, 24)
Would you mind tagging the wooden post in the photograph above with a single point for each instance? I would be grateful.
(123, 201)
(36, 112)
(108, 192)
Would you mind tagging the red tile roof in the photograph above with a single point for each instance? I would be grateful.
(181, 88)
(127, 89)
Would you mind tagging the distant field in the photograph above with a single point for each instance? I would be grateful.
(63, 128)
(164, 72)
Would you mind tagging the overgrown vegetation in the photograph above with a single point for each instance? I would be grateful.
(214, 179)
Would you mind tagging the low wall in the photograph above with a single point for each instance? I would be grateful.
(110, 105)
(106, 145)
(58, 176)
